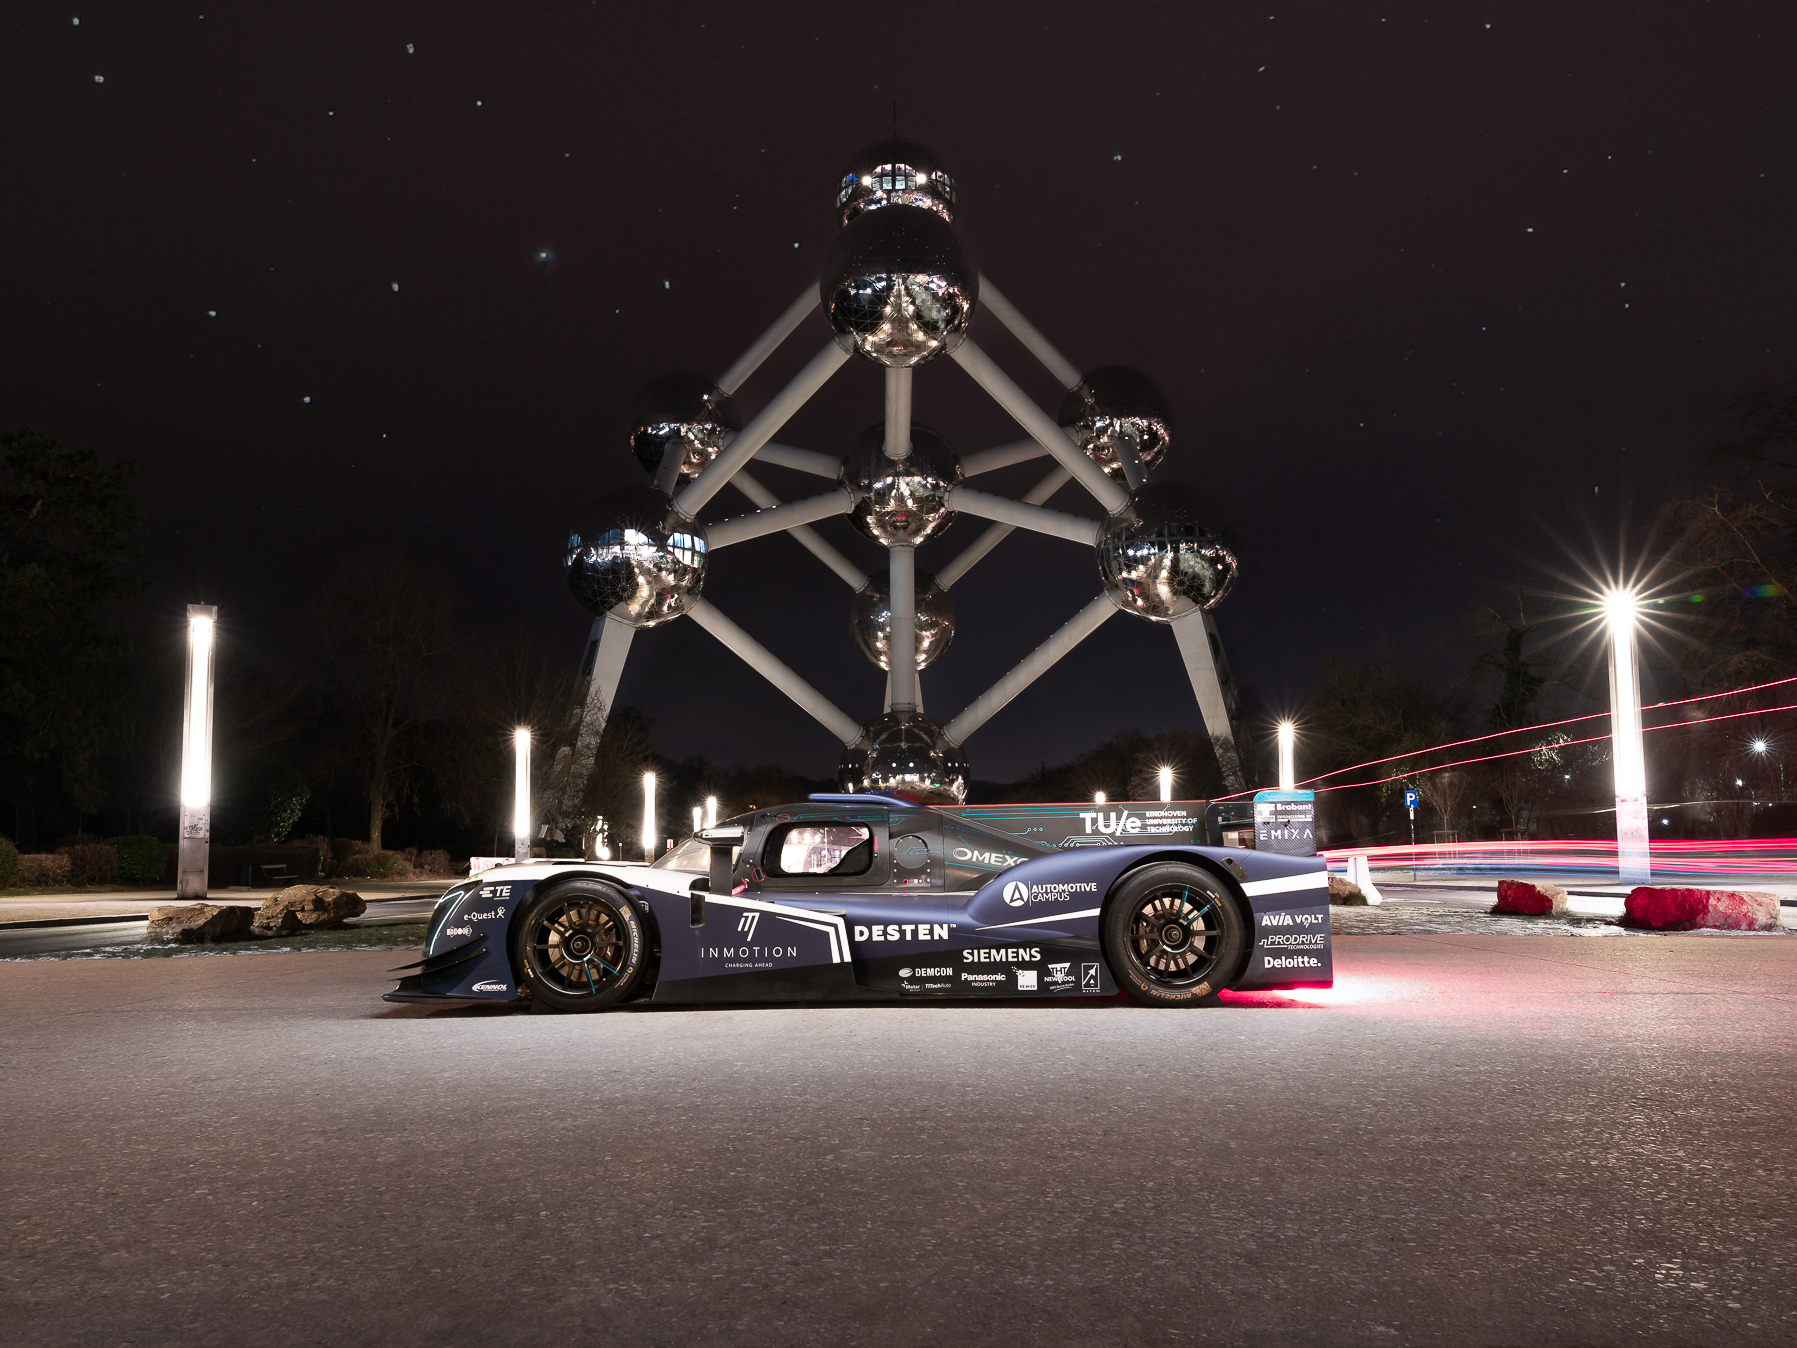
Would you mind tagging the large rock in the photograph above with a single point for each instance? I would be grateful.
(1531, 898)
(1342, 892)
(197, 923)
(307, 908)
(1689, 909)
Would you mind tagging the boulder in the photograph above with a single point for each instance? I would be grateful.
(307, 908)
(1341, 892)
(196, 923)
(1530, 897)
(1689, 909)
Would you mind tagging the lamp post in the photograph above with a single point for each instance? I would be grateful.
(711, 811)
(648, 816)
(521, 798)
(698, 818)
(194, 851)
(1166, 785)
(1627, 757)
(1098, 797)
(1288, 774)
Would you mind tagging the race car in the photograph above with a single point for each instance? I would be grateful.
(867, 897)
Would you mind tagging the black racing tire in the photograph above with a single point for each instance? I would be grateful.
(579, 946)
(1173, 935)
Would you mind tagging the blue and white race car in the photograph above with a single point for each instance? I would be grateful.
(855, 898)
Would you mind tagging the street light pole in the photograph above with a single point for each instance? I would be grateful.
(521, 797)
(1288, 773)
(1628, 757)
(648, 816)
(193, 853)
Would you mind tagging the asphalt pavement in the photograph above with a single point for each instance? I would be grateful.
(1481, 1139)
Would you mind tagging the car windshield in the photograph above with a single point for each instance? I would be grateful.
(691, 855)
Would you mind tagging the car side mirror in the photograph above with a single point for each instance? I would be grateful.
(723, 843)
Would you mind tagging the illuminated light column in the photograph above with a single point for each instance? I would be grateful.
(521, 796)
(193, 854)
(698, 818)
(1633, 864)
(1166, 785)
(1098, 797)
(648, 816)
(1288, 773)
(711, 811)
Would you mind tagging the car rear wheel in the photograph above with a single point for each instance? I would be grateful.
(1173, 935)
(579, 947)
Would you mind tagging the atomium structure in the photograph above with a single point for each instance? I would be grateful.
(899, 289)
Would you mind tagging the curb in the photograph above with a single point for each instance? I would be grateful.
(75, 921)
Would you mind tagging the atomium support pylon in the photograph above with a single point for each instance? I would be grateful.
(899, 290)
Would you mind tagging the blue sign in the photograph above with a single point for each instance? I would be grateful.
(1410, 800)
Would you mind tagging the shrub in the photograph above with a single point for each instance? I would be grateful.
(434, 863)
(388, 866)
(9, 862)
(352, 867)
(141, 858)
(91, 863)
(41, 869)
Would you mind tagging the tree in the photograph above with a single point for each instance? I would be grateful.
(66, 531)
(380, 637)
(1735, 544)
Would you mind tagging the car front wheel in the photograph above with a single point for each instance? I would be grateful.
(1172, 935)
(579, 947)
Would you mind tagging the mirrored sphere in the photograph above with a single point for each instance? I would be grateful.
(895, 173)
(631, 554)
(1165, 552)
(684, 414)
(1116, 410)
(870, 619)
(898, 287)
(903, 754)
(900, 500)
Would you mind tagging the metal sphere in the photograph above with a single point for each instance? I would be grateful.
(870, 619)
(898, 287)
(895, 173)
(633, 555)
(1165, 552)
(900, 500)
(684, 414)
(1114, 410)
(904, 754)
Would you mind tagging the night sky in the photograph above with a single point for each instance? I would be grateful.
(1436, 291)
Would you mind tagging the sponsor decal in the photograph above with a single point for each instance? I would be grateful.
(1088, 978)
(747, 924)
(981, 979)
(489, 987)
(1026, 980)
(1017, 893)
(486, 917)
(1059, 976)
(999, 861)
(927, 973)
(1116, 821)
(1293, 919)
(747, 952)
(458, 931)
(912, 931)
(1309, 940)
(1291, 962)
(1015, 954)
(496, 891)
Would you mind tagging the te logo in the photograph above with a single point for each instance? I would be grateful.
(1017, 893)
